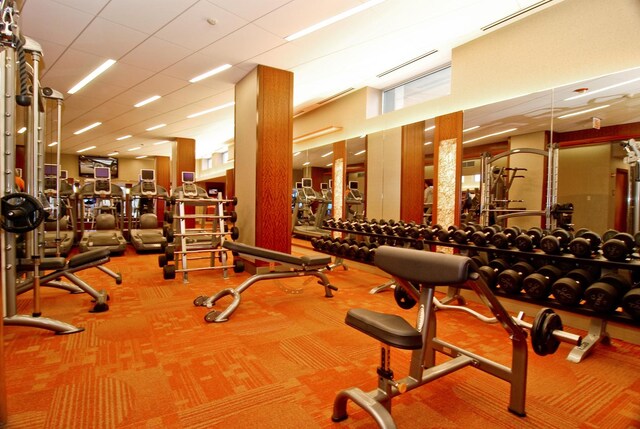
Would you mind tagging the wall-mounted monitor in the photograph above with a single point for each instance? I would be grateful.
(102, 173)
(353, 184)
(188, 176)
(307, 182)
(50, 170)
(87, 164)
(324, 186)
(147, 174)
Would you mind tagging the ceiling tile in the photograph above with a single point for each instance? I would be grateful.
(192, 31)
(155, 54)
(54, 22)
(90, 6)
(242, 45)
(147, 16)
(110, 39)
(249, 9)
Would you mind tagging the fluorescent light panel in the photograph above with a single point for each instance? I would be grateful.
(141, 157)
(210, 73)
(595, 91)
(318, 133)
(360, 153)
(113, 153)
(213, 109)
(593, 109)
(147, 101)
(333, 19)
(490, 135)
(52, 144)
(471, 129)
(94, 74)
(326, 154)
(161, 142)
(155, 127)
(22, 130)
(85, 149)
(124, 137)
(134, 148)
(87, 128)
(432, 127)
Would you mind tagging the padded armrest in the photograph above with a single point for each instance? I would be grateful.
(387, 328)
(419, 266)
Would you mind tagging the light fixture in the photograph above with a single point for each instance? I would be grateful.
(587, 92)
(134, 148)
(430, 128)
(85, 149)
(124, 137)
(297, 153)
(113, 153)
(318, 133)
(471, 129)
(333, 19)
(94, 74)
(329, 164)
(427, 143)
(141, 157)
(326, 154)
(360, 153)
(161, 142)
(147, 101)
(213, 109)
(210, 73)
(155, 127)
(22, 130)
(490, 135)
(52, 144)
(87, 128)
(568, 115)
(306, 163)
(515, 14)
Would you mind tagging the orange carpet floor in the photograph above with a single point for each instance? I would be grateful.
(152, 361)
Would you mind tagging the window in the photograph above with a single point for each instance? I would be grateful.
(434, 84)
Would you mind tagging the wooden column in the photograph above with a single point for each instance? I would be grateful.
(183, 158)
(230, 186)
(264, 157)
(447, 168)
(163, 178)
(339, 177)
(412, 173)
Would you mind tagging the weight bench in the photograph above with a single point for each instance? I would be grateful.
(63, 268)
(296, 267)
(418, 273)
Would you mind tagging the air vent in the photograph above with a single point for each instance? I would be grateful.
(391, 70)
(334, 96)
(468, 164)
(515, 14)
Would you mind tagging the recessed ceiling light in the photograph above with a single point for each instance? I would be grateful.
(593, 109)
(585, 91)
(147, 101)
(326, 154)
(471, 129)
(155, 127)
(430, 128)
(210, 73)
(87, 128)
(85, 149)
(22, 130)
(94, 74)
(161, 142)
(360, 153)
(134, 148)
(141, 157)
(52, 144)
(490, 135)
(213, 109)
(113, 153)
(124, 137)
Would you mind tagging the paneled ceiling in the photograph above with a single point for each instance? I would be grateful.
(159, 45)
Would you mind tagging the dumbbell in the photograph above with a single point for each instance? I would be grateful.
(631, 303)
(510, 280)
(585, 244)
(490, 272)
(605, 295)
(462, 236)
(315, 242)
(556, 242)
(538, 285)
(430, 232)
(619, 247)
(568, 290)
(445, 235)
(364, 250)
(527, 241)
(505, 239)
(481, 238)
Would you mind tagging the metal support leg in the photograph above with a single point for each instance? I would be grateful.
(597, 333)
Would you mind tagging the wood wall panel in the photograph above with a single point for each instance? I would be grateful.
(448, 127)
(186, 157)
(163, 178)
(593, 136)
(274, 162)
(412, 173)
(230, 183)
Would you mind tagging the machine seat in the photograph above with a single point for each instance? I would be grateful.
(387, 328)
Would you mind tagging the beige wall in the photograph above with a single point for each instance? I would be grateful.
(383, 175)
(128, 168)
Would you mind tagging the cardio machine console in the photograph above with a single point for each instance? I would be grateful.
(148, 182)
(189, 188)
(102, 181)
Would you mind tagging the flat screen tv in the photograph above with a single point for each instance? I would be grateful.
(87, 164)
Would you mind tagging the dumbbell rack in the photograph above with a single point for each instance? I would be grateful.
(200, 243)
(598, 322)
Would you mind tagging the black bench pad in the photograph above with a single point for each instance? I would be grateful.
(387, 328)
(89, 256)
(418, 266)
(272, 255)
(26, 264)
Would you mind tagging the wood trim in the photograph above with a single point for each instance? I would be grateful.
(412, 173)
(186, 157)
(593, 136)
(274, 159)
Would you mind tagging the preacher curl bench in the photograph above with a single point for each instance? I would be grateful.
(293, 267)
(418, 272)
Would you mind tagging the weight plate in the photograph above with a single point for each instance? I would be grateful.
(551, 323)
(21, 212)
(541, 339)
(567, 291)
(628, 240)
(581, 231)
(609, 234)
(403, 299)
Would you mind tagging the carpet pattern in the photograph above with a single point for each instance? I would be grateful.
(152, 361)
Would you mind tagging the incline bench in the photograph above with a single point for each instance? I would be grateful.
(297, 266)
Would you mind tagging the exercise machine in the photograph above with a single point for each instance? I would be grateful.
(354, 202)
(59, 228)
(146, 235)
(306, 222)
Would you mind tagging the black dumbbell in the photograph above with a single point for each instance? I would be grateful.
(556, 242)
(527, 241)
(568, 290)
(315, 242)
(445, 235)
(605, 295)
(462, 236)
(585, 244)
(417, 244)
(490, 272)
(429, 232)
(631, 303)
(481, 238)
(538, 285)
(619, 247)
(505, 238)
(510, 280)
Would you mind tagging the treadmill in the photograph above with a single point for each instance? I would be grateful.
(106, 233)
(57, 235)
(147, 235)
(309, 224)
(354, 202)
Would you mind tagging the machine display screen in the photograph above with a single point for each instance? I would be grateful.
(50, 170)
(64, 174)
(298, 185)
(102, 172)
(324, 186)
(188, 176)
(146, 174)
(353, 185)
(306, 182)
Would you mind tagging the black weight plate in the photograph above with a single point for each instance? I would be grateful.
(537, 338)
(581, 231)
(536, 286)
(488, 274)
(600, 297)
(509, 282)
(550, 244)
(479, 238)
(609, 234)
(593, 238)
(535, 234)
(403, 299)
(500, 240)
(552, 322)
(563, 235)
